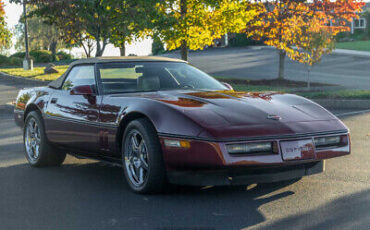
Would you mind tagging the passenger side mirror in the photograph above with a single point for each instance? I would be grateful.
(84, 90)
(227, 85)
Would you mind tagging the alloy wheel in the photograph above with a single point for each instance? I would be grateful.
(136, 159)
(32, 139)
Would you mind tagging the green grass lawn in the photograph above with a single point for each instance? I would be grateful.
(338, 94)
(36, 73)
(239, 85)
(357, 45)
(258, 88)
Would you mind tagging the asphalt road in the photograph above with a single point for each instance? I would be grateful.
(345, 70)
(84, 194)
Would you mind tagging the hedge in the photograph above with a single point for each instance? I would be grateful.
(4, 60)
(64, 56)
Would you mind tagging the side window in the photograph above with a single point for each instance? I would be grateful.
(119, 79)
(79, 75)
(119, 73)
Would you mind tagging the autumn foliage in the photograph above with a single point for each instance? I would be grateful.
(303, 30)
(5, 34)
(195, 24)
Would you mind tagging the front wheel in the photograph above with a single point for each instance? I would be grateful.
(142, 158)
(39, 152)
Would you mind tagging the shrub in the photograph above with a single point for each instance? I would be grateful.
(42, 56)
(243, 40)
(63, 56)
(38, 56)
(15, 61)
(4, 60)
(22, 55)
(18, 55)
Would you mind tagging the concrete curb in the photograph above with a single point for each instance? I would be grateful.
(352, 52)
(343, 103)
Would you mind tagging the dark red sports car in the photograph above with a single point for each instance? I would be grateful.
(165, 122)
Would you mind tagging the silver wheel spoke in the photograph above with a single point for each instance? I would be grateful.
(134, 173)
(141, 175)
(143, 156)
(136, 159)
(30, 129)
(36, 153)
(134, 143)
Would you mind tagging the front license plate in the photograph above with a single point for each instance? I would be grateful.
(297, 150)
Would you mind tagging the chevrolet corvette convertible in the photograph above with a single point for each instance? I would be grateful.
(166, 122)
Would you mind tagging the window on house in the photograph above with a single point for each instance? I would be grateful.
(360, 23)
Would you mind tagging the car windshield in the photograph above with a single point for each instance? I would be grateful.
(154, 76)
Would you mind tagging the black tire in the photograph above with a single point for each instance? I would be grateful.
(48, 155)
(155, 180)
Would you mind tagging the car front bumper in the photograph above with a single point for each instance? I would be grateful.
(245, 176)
(209, 163)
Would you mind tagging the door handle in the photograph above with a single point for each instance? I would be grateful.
(53, 100)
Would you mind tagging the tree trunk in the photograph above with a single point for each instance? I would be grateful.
(122, 50)
(308, 78)
(184, 47)
(53, 49)
(98, 52)
(87, 53)
(282, 55)
(184, 51)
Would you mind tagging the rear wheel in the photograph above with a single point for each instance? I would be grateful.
(142, 158)
(39, 152)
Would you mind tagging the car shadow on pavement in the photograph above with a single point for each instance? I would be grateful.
(94, 196)
(348, 212)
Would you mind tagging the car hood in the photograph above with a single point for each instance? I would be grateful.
(230, 113)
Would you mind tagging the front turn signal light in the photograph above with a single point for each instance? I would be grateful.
(177, 143)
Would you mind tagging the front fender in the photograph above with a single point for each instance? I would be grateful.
(165, 119)
(30, 100)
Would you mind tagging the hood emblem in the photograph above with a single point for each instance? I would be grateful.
(273, 117)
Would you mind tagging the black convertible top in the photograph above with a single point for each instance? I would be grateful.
(59, 82)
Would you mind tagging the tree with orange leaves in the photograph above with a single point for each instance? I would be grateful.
(303, 30)
(5, 34)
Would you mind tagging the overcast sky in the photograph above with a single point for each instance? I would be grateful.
(13, 12)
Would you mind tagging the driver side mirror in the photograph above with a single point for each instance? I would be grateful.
(227, 85)
(84, 90)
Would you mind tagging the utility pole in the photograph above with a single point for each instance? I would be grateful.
(27, 62)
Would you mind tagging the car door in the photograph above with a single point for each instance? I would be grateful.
(72, 120)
